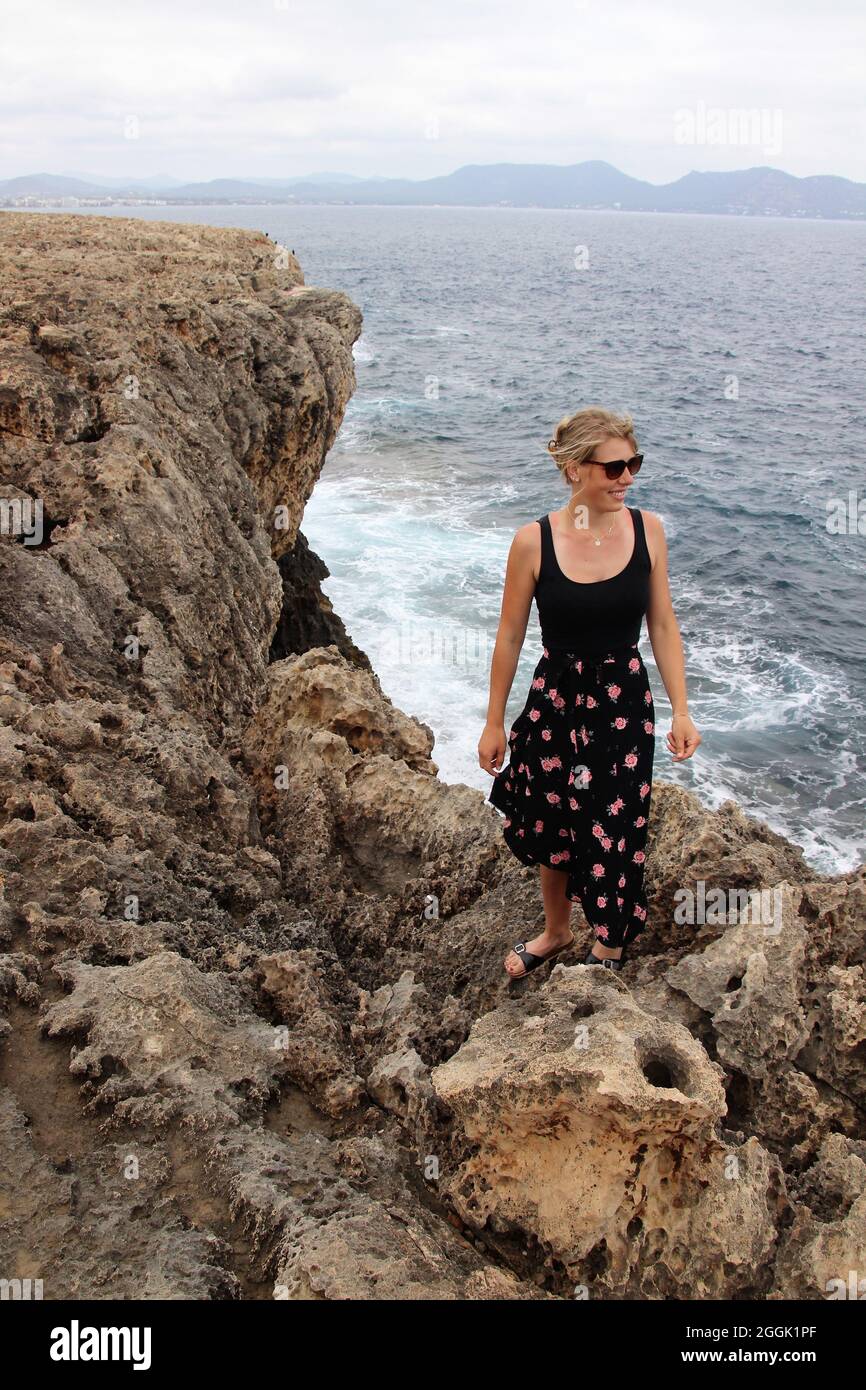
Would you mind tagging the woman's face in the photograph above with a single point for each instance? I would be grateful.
(595, 488)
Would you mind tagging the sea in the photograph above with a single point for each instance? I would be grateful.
(737, 345)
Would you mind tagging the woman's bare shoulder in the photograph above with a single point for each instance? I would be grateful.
(526, 547)
(528, 534)
(655, 534)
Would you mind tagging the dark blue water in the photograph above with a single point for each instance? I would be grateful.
(479, 334)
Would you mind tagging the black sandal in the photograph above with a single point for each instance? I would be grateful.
(531, 961)
(612, 962)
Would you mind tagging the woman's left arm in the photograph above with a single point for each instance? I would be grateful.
(664, 634)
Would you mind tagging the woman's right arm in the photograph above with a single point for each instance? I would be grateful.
(524, 557)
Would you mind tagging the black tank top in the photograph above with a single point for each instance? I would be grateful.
(598, 616)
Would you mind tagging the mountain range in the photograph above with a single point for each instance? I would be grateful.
(757, 191)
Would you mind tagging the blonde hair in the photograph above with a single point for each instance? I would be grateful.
(577, 436)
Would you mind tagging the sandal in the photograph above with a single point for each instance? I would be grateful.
(612, 962)
(531, 961)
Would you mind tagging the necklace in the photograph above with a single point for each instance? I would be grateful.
(596, 540)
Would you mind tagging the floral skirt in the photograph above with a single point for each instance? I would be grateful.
(577, 787)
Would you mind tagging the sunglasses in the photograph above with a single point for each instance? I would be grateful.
(615, 470)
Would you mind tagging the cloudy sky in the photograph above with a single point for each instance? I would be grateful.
(198, 89)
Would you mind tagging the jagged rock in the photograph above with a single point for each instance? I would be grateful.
(401, 1082)
(593, 1128)
(687, 844)
(307, 617)
(98, 1232)
(19, 978)
(317, 1051)
(823, 1251)
(346, 780)
(336, 1240)
(166, 1041)
(787, 1023)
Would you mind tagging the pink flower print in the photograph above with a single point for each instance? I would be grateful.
(648, 726)
(546, 652)
(591, 702)
(521, 832)
(579, 665)
(578, 699)
(538, 827)
(573, 803)
(561, 858)
(520, 767)
(550, 763)
(507, 822)
(598, 871)
(613, 771)
(634, 664)
(619, 722)
(648, 697)
(614, 691)
(598, 831)
(620, 844)
(584, 736)
(606, 843)
(620, 901)
(641, 820)
(601, 901)
(643, 790)
(639, 912)
(538, 683)
(616, 806)
(559, 702)
(639, 856)
(551, 694)
(621, 883)
(630, 759)
(546, 735)
(554, 798)
(534, 714)
(601, 932)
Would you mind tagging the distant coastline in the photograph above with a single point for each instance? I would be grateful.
(592, 186)
(93, 205)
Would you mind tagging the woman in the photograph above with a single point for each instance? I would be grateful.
(576, 791)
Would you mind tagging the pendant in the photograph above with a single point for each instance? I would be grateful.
(597, 541)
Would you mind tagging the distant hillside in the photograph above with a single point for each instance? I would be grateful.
(593, 184)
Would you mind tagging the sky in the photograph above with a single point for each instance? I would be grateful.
(201, 89)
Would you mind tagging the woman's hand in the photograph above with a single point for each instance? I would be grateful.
(491, 748)
(683, 737)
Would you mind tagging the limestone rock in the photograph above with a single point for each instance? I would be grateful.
(592, 1126)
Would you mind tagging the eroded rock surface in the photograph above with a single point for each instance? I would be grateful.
(255, 1036)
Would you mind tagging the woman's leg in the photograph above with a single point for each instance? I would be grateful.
(557, 916)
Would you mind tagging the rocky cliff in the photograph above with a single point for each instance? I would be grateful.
(255, 1036)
